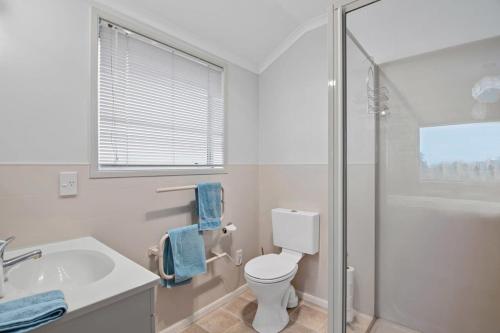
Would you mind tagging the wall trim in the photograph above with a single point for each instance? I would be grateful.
(293, 37)
(184, 323)
(322, 303)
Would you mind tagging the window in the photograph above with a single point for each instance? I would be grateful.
(158, 108)
(464, 152)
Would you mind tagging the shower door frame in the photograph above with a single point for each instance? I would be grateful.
(337, 157)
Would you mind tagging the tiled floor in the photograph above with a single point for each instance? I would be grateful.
(237, 316)
(360, 324)
(384, 326)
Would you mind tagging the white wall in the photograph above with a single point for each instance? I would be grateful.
(293, 124)
(423, 20)
(243, 117)
(45, 86)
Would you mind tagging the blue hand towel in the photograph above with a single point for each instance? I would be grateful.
(168, 266)
(184, 255)
(208, 198)
(26, 314)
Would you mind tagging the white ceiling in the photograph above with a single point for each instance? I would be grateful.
(393, 29)
(250, 33)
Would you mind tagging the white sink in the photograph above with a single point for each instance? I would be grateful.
(89, 273)
(64, 270)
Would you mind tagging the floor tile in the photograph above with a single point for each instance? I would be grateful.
(294, 327)
(385, 326)
(248, 295)
(324, 329)
(240, 328)
(242, 308)
(194, 329)
(237, 317)
(290, 310)
(309, 317)
(217, 322)
(360, 324)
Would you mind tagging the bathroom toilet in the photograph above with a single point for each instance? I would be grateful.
(269, 276)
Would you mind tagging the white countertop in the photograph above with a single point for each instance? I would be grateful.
(125, 279)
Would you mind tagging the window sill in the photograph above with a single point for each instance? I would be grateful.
(147, 172)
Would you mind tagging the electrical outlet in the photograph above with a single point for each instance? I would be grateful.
(68, 184)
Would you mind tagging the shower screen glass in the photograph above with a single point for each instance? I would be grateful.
(462, 153)
(422, 166)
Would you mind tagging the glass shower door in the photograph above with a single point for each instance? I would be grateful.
(422, 166)
(361, 120)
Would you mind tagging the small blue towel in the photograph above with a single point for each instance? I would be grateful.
(184, 255)
(208, 199)
(26, 314)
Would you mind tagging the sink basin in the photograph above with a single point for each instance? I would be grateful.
(64, 270)
(89, 273)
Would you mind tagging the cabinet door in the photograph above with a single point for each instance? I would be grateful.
(131, 315)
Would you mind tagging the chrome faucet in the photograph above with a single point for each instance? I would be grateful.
(7, 263)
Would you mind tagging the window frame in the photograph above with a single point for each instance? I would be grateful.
(162, 37)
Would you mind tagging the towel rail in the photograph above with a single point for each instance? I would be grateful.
(156, 251)
(193, 187)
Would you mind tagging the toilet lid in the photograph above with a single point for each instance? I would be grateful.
(270, 267)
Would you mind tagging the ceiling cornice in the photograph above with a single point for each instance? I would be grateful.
(282, 47)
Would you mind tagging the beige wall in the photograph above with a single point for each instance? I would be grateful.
(129, 216)
(301, 187)
(293, 148)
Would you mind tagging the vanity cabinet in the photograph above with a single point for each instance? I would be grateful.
(130, 314)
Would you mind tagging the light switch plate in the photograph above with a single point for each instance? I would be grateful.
(68, 183)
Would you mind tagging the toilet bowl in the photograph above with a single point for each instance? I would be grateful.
(269, 278)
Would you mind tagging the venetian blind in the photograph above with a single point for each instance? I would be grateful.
(158, 106)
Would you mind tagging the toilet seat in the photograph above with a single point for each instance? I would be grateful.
(270, 268)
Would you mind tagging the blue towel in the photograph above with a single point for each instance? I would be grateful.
(26, 314)
(184, 255)
(208, 199)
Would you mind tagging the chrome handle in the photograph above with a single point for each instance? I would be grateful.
(4, 244)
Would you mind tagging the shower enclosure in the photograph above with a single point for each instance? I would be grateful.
(415, 116)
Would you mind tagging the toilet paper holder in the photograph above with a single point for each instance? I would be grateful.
(229, 228)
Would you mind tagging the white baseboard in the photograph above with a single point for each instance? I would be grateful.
(322, 303)
(180, 325)
(184, 323)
